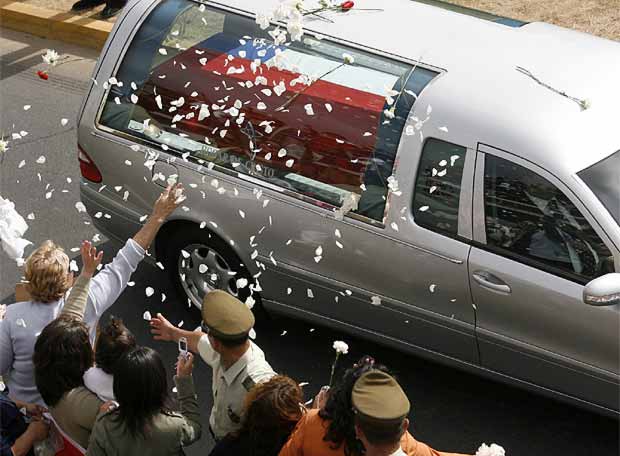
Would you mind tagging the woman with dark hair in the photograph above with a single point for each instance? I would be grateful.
(143, 424)
(329, 429)
(271, 411)
(113, 341)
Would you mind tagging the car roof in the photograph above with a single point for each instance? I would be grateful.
(481, 97)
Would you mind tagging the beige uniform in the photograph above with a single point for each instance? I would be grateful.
(230, 386)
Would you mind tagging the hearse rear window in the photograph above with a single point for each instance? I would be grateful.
(314, 117)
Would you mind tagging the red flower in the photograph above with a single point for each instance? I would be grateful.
(346, 6)
(43, 75)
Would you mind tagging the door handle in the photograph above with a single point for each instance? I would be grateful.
(487, 280)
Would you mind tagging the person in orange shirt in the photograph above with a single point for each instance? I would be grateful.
(329, 428)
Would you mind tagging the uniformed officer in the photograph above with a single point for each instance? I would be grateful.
(224, 344)
(381, 408)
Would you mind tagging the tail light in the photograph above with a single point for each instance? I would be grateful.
(87, 167)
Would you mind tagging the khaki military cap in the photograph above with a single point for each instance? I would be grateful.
(377, 395)
(225, 316)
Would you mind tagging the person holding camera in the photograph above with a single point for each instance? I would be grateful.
(238, 364)
(143, 423)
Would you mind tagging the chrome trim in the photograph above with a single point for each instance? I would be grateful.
(392, 304)
(465, 224)
(479, 225)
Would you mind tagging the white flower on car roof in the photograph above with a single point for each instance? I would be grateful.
(389, 113)
(348, 58)
(263, 20)
(585, 104)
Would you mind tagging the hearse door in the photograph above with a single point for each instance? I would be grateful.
(535, 247)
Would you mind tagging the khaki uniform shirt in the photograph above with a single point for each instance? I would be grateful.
(230, 386)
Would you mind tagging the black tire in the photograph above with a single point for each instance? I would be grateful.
(172, 258)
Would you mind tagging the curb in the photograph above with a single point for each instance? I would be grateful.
(55, 25)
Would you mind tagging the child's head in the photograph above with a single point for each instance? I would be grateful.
(113, 341)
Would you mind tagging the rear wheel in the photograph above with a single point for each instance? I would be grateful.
(198, 262)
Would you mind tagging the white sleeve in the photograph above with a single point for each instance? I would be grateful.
(206, 351)
(107, 285)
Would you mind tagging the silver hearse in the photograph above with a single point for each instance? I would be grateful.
(442, 181)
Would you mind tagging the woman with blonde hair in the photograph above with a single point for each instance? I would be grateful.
(48, 279)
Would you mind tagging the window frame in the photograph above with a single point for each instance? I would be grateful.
(479, 221)
(464, 228)
(126, 139)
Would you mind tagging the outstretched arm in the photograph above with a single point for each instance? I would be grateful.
(76, 302)
(107, 286)
(192, 427)
(165, 205)
(162, 329)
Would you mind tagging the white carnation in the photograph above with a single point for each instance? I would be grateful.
(341, 347)
(492, 450)
(348, 58)
(263, 20)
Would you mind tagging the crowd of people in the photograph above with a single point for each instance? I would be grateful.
(107, 395)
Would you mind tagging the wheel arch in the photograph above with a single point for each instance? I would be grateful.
(178, 224)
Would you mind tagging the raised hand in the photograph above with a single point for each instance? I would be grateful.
(162, 329)
(90, 258)
(167, 202)
(185, 366)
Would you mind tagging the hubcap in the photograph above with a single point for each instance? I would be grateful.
(201, 270)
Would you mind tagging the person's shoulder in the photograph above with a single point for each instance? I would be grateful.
(17, 310)
(96, 374)
(108, 417)
(312, 416)
(258, 368)
(79, 395)
(168, 422)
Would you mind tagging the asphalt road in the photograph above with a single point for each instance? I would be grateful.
(451, 410)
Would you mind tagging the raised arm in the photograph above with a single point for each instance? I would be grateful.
(165, 205)
(162, 329)
(191, 428)
(107, 286)
(75, 305)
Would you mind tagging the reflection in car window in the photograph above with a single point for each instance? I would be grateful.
(438, 187)
(529, 217)
(216, 88)
(603, 178)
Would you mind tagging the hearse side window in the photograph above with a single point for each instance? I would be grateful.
(214, 87)
(438, 187)
(528, 218)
